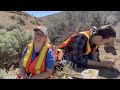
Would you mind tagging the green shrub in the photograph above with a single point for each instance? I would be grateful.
(12, 17)
(8, 45)
(20, 21)
(11, 46)
(13, 26)
(2, 26)
(33, 22)
(36, 22)
(22, 39)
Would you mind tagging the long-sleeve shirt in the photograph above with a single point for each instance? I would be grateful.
(78, 47)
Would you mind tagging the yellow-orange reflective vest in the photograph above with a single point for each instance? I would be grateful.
(88, 48)
(38, 65)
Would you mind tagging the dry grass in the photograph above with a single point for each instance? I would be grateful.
(11, 74)
(104, 73)
(113, 73)
(67, 71)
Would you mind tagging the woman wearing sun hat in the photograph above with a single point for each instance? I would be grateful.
(37, 58)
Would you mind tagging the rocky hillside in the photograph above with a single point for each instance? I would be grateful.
(12, 18)
(14, 35)
(59, 23)
(62, 25)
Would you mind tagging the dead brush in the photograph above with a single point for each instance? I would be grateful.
(66, 72)
(3, 73)
(11, 74)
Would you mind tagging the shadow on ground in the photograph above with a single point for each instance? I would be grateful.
(110, 50)
(107, 73)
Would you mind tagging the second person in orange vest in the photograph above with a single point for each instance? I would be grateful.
(81, 47)
(37, 58)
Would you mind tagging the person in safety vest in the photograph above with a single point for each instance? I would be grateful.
(81, 47)
(37, 58)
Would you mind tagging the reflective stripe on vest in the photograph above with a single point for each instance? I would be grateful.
(41, 58)
(88, 48)
(66, 42)
(27, 55)
(38, 65)
(86, 33)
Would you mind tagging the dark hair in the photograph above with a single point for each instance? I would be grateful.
(106, 32)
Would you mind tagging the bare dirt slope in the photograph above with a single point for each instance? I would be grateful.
(103, 72)
(5, 19)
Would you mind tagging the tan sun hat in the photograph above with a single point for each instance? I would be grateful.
(42, 28)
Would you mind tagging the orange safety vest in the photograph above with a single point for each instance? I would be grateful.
(38, 65)
(88, 48)
(58, 54)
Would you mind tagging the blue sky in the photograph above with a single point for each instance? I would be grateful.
(41, 13)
